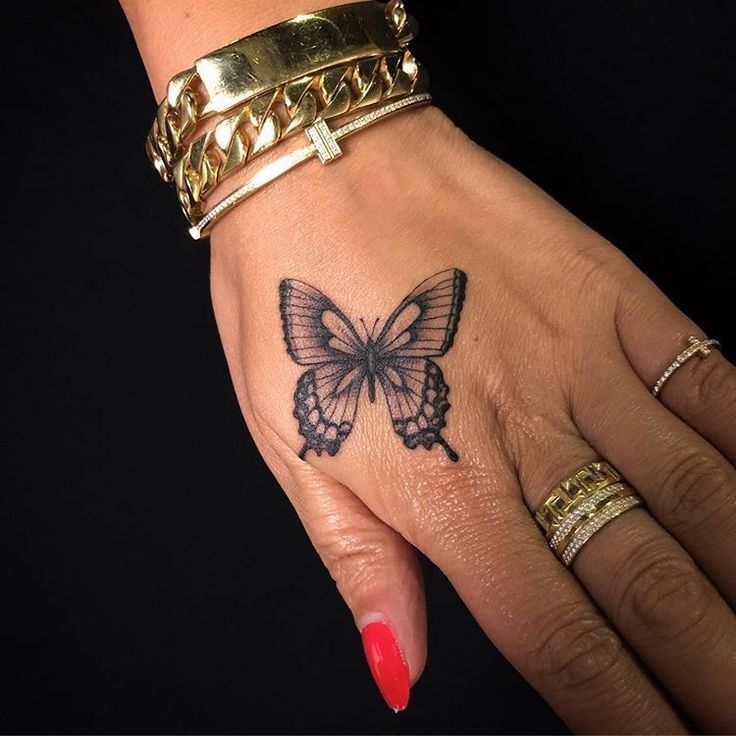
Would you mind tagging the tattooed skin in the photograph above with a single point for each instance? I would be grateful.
(319, 335)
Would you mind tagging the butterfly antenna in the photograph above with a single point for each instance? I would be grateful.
(362, 321)
(375, 324)
(304, 451)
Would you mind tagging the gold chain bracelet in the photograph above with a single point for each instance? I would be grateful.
(268, 59)
(266, 120)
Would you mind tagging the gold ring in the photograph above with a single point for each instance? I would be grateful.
(581, 505)
(698, 346)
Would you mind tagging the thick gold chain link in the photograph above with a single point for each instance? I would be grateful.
(266, 120)
(260, 121)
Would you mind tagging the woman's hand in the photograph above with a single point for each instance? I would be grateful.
(558, 344)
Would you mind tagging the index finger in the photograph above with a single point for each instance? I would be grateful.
(540, 618)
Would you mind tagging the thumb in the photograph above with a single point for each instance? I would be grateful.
(376, 571)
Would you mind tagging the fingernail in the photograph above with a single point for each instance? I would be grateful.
(387, 664)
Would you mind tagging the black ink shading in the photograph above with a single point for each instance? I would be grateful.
(319, 335)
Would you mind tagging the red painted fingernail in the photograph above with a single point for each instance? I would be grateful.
(387, 663)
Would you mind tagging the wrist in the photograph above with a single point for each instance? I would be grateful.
(386, 166)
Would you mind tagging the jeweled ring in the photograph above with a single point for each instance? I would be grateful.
(698, 346)
(583, 504)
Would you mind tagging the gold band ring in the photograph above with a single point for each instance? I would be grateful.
(581, 505)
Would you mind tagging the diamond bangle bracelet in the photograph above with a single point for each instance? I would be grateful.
(324, 145)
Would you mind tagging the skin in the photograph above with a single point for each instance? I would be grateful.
(559, 340)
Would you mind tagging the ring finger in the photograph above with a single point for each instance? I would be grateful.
(656, 597)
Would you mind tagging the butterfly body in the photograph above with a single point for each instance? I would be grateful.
(319, 335)
(372, 367)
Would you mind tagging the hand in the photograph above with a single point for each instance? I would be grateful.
(559, 342)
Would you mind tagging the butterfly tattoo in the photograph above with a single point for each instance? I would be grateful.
(341, 361)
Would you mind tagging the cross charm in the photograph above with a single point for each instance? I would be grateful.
(323, 140)
(703, 346)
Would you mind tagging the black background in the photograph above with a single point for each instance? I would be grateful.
(155, 577)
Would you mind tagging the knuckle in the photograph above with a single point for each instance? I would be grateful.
(497, 392)
(696, 487)
(356, 550)
(578, 651)
(353, 559)
(666, 595)
(715, 383)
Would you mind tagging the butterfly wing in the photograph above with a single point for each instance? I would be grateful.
(319, 335)
(425, 323)
(315, 330)
(422, 326)
(325, 402)
(416, 394)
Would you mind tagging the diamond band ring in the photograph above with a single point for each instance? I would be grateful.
(583, 504)
(697, 346)
(597, 522)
